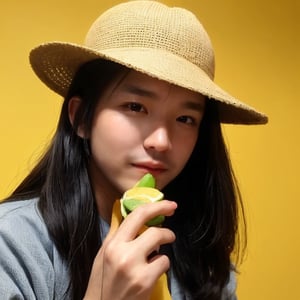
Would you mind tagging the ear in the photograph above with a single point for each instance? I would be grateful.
(73, 106)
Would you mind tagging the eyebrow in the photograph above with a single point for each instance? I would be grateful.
(132, 89)
(197, 106)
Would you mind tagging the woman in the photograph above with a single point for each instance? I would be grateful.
(139, 98)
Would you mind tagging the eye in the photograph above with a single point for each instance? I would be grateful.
(186, 120)
(134, 106)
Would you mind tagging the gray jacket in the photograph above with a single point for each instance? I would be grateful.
(30, 265)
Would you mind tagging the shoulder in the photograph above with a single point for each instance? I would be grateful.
(17, 209)
(21, 220)
(29, 261)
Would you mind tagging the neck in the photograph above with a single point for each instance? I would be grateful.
(105, 193)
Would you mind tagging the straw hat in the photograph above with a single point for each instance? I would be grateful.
(166, 43)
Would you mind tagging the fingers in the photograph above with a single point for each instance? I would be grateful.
(132, 224)
(151, 240)
(123, 268)
(158, 265)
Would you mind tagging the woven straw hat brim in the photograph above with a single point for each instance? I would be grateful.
(56, 63)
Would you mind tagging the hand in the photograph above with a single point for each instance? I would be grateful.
(122, 268)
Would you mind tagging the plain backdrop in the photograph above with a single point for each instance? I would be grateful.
(257, 59)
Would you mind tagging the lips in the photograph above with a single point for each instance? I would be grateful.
(151, 167)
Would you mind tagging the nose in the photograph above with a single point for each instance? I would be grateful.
(158, 140)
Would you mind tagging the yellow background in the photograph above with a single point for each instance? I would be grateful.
(257, 50)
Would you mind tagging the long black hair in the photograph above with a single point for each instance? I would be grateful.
(205, 222)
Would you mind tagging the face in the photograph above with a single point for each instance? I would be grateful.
(142, 125)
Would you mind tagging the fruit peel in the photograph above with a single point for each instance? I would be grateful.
(129, 204)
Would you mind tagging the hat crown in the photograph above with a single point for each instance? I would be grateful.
(153, 25)
(166, 43)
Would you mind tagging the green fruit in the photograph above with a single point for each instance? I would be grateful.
(146, 181)
(128, 204)
(156, 221)
(131, 204)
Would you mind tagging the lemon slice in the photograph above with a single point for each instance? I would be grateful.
(137, 196)
(146, 194)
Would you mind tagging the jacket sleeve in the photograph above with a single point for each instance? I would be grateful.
(26, 270)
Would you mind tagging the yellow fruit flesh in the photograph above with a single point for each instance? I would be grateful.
(145, 194)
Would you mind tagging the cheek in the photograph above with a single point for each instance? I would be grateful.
(185, 146)
(112, 132)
